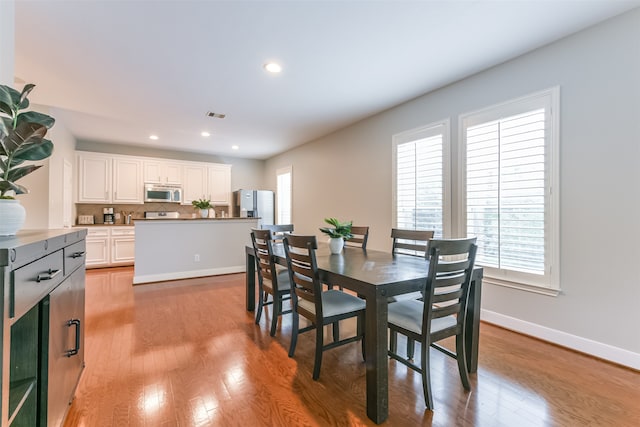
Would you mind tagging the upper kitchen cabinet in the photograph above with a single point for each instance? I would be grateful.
(161, 172)
(219, 184)
(127, 180)
(94, 178)
(195, 182)
(104, 178)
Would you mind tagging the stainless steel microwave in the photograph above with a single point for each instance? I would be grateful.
(162, 193)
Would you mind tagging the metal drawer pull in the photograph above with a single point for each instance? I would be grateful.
(77, 254)
(76, 323)
(48, 275)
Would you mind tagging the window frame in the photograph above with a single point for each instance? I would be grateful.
(549, 283)
(426, 131)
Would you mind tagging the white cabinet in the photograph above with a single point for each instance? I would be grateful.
(127, 180)
(98, 247)
(122, 245)
(104, 178)
(94, 178)
(162, 172)
(195, 182)
(219, 184)
(109, 246)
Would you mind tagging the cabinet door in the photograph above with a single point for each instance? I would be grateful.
(172, 173)
(94, 178)
(127, 181)
(220, 184)
(123, 246)
(152, 171)
(195, 183)
(97, 247)
(66, 345)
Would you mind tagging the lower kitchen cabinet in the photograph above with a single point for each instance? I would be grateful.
(42, 280)
(110, 246)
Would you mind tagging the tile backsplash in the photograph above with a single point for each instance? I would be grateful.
(137, 211)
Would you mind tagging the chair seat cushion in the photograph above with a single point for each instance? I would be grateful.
(283, 281)
(407, 314)
(335, 303)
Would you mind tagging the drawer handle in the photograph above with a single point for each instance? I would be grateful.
(77, 254)
(74, 351)
(48, 275)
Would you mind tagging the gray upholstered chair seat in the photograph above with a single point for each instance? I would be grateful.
(407, 314)
(283, 281)
(335, 303)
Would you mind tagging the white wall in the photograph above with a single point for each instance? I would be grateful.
(348, 175)
(7, 41)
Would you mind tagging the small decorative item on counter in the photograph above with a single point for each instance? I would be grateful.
(203, 205)
(340, 232)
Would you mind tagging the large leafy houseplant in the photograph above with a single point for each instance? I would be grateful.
(22, 139)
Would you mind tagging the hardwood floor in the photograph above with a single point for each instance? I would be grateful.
(188, 354)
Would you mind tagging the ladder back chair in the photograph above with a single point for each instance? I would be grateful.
(319, 307)
(441, 314)
(278, 231)
(272, 281)
(410, 242)
(360, 236)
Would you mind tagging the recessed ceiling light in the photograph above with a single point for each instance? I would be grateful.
(205, 133)
(272, 67)
(235, 147)
(154, 137)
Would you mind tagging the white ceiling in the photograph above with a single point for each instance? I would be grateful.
(117, 71)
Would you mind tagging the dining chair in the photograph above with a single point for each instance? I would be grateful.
(441, 314)
(360, 237)
(318, 306)
(410, 242)
(272, 281)
(278, 230)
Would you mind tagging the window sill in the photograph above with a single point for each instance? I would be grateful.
(543, 290)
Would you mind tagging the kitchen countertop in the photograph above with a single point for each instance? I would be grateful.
(163, 219)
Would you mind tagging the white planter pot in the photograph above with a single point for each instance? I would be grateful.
(204, 213)
(13, 216)
(336, 244)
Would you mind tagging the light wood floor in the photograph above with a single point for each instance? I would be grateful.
(188, 354)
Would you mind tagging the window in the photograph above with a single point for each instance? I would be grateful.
(421, 179)
(283, 195)
(511, 166)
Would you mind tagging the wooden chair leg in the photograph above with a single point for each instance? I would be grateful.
(426, 376)
(393, 341)
(336, 331)
(294, 333)
(461, 358)
(411, 347)
(360, 332)
(277, 309)
(260, 304)
(319, 344)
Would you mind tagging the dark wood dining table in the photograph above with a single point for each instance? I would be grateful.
(376, 276)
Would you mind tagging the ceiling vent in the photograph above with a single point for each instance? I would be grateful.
(216, 115)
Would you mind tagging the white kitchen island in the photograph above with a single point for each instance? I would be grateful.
(171, 249)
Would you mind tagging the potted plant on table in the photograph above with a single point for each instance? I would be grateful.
(340, 232)
(21, 139)
(203, 205)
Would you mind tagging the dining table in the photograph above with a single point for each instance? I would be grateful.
(376, 276)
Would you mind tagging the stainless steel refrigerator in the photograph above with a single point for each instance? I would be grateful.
(254, 203)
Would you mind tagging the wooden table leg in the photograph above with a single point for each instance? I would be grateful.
(251, 282)
(376, 358)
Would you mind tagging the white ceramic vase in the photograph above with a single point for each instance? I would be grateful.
(336, 244)
(12, 216)
(204, 213)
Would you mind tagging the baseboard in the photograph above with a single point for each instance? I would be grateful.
(583, 345)
(148, 278)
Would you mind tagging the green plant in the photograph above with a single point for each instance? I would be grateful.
(202, 204)
(21, 139)
(340, 229)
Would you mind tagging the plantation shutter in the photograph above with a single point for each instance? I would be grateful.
(284, 195)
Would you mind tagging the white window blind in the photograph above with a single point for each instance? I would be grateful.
(283, 192)
(420, 179)
(508, 189)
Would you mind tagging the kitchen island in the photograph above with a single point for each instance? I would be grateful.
(172, 249)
